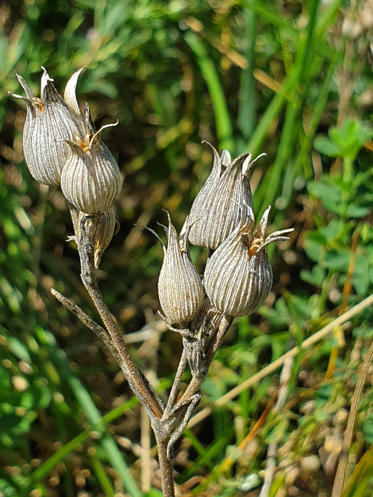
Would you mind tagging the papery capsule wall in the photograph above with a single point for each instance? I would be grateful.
(238, 275)
(217, 209)
(236, 283)
(91, 179)
(49, 122)
(180, 288)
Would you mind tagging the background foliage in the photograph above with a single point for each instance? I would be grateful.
(289, 78)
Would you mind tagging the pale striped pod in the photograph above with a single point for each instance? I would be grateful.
(49, 122)
(101, 231)
(99, 228)
(91, 178)
(218, 207)
(235, 283)
(238, 275)
(180, 288)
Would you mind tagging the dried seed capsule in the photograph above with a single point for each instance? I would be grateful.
(238, 275)
(104, 230)
(180, 288)
(49, 122)
(100, 229)
(91, 178)
(217, 206)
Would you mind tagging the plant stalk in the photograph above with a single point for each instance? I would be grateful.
(166, 467)
(136, 380)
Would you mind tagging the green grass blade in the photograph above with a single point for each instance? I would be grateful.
(88, 407)
(357, 483)
(265, 196)
(246, 111)
(101, 475)
(328, 17)
(273, 110)
(74, 443)
(210, 75)
(271, 16)
(307, 140)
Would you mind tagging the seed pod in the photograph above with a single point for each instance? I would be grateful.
(217, 207)
(49, 122)
(91, 178)
(238, 275)
(180, 288)
(100, 229)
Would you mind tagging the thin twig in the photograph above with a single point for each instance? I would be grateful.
(196, 381)
(136, 379)
(347, 439)
(86, 320)
(222, 330)
(272, 448)
(145, 458)
(176, 383)
(278, 362)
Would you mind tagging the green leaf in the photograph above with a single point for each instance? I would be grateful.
(329, 194)
(354, 210)
(337, 260)
(323, 145)
(315, 277)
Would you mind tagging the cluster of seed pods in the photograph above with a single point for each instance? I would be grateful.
(238, 275)
(62, 148)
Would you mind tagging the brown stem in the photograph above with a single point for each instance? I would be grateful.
(215, 343)
(136, 380)
(176, 383)
(87, 321)
(166, 467)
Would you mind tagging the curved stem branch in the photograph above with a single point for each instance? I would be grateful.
(136, 379)
(215, 343)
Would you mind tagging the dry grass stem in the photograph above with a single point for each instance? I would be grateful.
(347, 439)
(278, 362)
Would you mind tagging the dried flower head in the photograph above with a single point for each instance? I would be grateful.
(180, 288)
(90, 179)
(99, 228)
(217, 206)
(238, 275)
(49, 122)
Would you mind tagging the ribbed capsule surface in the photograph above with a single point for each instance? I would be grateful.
(99, 228)
(49, 122)
(238, 275)
(91, 178)
(180, 288)
(216, 211)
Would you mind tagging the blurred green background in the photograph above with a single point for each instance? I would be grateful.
(292, 79)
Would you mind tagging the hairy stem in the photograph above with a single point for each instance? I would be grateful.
(215, 343)
(136, 379)
(87, 321)
(166, 467)
(176, 383)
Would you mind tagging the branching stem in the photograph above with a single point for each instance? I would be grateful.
(136, 380)
(215, 343)
(167, 423)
